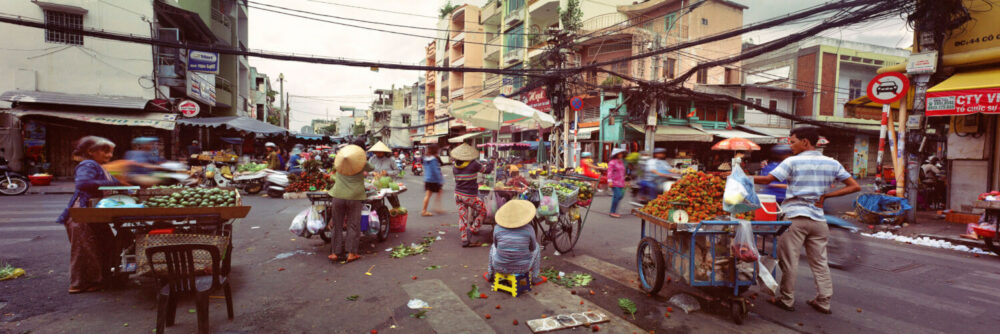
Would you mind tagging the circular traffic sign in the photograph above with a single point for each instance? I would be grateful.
(576, 102)
(188, 108)
(888, 87)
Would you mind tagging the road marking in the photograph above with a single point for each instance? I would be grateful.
(626, 277)
(32, 228)
(29, 220)
(562, 301)
(450, 314)
(5, 242)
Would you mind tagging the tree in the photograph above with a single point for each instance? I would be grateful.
(359, 129)
(447, 9)
(572, 17)
(329, 130)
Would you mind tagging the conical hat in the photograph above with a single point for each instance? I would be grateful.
(350, 160)
(515, 213)
(465, 152)
(380, 147)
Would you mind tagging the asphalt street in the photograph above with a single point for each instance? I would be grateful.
(284, 283)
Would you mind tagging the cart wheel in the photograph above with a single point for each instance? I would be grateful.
(326, 234)
(255, 188)
(383, 219)
(536, 224)
(739, 311)
(993, 245)
(565, 233)
(844, 248)
(649, 259)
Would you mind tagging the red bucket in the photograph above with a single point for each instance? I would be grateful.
(769, 208)
(397, 224)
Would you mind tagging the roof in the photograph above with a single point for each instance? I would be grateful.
(235, 122)
(676, 133)
(104, 101)
(765, 87)
(190, 22)
(756, 138)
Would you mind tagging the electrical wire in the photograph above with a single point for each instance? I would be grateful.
(374, 9)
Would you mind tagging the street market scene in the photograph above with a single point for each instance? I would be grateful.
(500, 166)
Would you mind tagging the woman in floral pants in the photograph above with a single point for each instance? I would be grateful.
(471, 210)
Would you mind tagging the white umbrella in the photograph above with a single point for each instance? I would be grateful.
(493, 113)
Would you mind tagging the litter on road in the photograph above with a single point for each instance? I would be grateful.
(925, 241)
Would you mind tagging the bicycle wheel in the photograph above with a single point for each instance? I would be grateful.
(651, 268)
(536, 224)
(566, 232)
(383, 218)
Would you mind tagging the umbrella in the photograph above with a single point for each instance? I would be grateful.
(736, 144)
(493, 113)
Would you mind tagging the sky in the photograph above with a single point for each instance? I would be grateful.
(353, 86)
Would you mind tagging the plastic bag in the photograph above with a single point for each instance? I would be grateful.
(744, 248)
(548, 205)
(491, 204)
(314, 221)
(685, 302)
(769, 285)
(373, 222)
(739, 196)
(299, 223)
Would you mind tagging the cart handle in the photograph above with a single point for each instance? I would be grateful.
(776, 205)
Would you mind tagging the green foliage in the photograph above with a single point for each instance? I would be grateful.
(572, 16)
(474, 293)
(359, 129)
(329, 129)
(569, 280)
(447, 9)
(352, 298)
(612, 81)
(628, 306)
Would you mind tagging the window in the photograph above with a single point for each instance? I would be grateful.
(669, 22)
(669, 68)
(772, 104)
(855, 89)
(640, 71)
(69, 20)
(704, 21)
(513, 5)
(702, 76)
(514, 39)
(621, 67)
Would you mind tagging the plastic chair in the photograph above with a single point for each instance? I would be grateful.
(181, 278)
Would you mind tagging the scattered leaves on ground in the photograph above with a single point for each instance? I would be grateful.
(569, 280)
(419, 315)
(474, 292)
(403, 250)
(352, 298)
(628, 306)
(432, 267)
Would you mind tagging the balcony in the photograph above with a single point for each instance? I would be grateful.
(513, 56)
(490, 13)
(514, 18)
(493, 48)
(492, 84)
(543, 9)
(218, 16)
(458, 38)
(458, 62)
(458, 93)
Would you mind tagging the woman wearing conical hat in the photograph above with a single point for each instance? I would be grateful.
(348, 196)
(471, 210)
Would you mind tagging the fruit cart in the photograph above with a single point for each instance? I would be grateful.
(375, 199)
(989, 234)
(156, 217)
(699, 255)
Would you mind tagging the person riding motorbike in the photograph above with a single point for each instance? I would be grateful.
(656, 172)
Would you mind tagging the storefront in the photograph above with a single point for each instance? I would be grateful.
(971, 101)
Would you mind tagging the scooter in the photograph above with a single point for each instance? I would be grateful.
(11, 182)
(251, 183)
(844, 246)
(275, 182)
(417, 168)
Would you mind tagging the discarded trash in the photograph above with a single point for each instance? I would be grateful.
(556, 253)
(417, 304)
(419, 315)
(441, 232)
(925, 241)
(432, 267)
(628, 306)
(388, 249)
(286, 255)
(9, 272)
(369, 272)
(685, 302)
(565, 321)
(254, 227)
(437, 238)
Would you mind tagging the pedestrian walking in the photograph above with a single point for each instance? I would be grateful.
(433, 180)
(809, 175)
(616, 179)
(91, 245)
(471, 210)
(348, 194)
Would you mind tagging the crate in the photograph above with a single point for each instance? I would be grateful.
(961, 218)
(107, 215)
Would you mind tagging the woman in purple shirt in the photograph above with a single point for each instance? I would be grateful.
(616, 179)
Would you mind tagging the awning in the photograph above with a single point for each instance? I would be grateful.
(586, 133)
(232, 140)
(194, 29)
(102, 101)
(756, 138)
(150, 119)
(534, 144)
(310, 137)
(867, 102)
(462, 138)
(966, 93)
(773, 132)
(241, 123)
(677, 133)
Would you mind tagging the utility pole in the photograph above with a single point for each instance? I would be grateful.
(281, 93)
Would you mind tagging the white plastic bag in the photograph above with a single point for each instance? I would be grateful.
(314, 221)
(548, 205)
(739, 196)
(299, 223)
(744, 248)
(373, 222)
(766, 279)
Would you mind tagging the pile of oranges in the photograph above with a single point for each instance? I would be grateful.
(699, 194)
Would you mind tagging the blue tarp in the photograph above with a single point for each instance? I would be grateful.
(883, 205)
(534, 144)
(232, 140)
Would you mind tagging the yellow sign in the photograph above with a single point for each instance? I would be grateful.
(982, 32)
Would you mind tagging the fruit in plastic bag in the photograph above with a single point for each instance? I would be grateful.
(743, 246)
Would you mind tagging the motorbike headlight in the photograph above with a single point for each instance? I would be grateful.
(210, 174)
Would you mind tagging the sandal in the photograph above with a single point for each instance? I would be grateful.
(333, 257)
(543, 280)
(614, 215)
(781, 305)
(352, 259)
(818, 308)
(426, 214)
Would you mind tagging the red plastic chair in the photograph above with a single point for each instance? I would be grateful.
(181, 278)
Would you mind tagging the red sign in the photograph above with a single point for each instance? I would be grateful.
(888, 87)
(188, 108)
(538, 99)
(963, 102)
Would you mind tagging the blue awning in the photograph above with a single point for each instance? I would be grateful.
(232, 140)
(534, 144)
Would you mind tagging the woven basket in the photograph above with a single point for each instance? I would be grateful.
(875, 218)
(202, 259)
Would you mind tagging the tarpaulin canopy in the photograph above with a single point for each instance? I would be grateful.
(677, 133)
(151, 119)
(232, 140)
(966, 93)
(756, 138)
(462, 138)
(241, 123)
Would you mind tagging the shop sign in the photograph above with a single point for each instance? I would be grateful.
(188, 108)
(922, 63)
(537, 99)
(205, 62)
(981, 32)
(201, 87)
(888, 87)
(963, 102)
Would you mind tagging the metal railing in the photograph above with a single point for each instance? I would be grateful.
(223, 84)
(612, 20)
(221, 18)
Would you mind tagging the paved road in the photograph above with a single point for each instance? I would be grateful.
(899, 288)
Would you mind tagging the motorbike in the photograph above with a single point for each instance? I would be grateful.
(11, 182)
(417, 168)
(275, 182)
(844, 246)
(250, 183)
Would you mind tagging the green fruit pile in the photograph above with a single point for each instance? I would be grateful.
(176, 186)
(194, 197)
(585, 191)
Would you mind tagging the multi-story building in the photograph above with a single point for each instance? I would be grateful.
(430, 93)
(261, 98)
(379, 114)
(403, 107)
(420, 93)
(319, 124)
(830, 73)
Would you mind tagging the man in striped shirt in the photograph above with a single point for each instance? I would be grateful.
(810, 176)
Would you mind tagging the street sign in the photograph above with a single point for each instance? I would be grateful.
(188, 108)
(888, 87)
(506, 90)
(922, 63)
(576, 102)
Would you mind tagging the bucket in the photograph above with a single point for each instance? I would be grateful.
(769, 208)
(365, 213)
(397, 224)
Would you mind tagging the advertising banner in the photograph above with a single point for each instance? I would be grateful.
(963, 102)
(205, 62)
(201, 87)
(538, 99)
